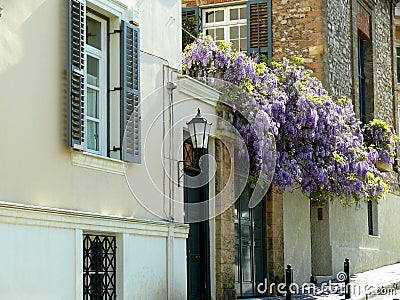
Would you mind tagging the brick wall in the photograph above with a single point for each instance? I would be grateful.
(297, 31)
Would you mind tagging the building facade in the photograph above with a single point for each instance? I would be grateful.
(350, 47)
(93, 207)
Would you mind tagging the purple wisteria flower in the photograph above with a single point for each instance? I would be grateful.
(319, 142)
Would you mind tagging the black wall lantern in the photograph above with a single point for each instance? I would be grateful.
(199, 130)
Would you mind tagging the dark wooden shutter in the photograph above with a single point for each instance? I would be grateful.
(192, 13)
(76, 98)
(130, 94)
(259, 27)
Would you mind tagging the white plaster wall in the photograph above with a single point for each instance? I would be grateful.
(145, 268)
(297, 235)
(33, 106)
(37, 263)
(42, 255)
(349, 236)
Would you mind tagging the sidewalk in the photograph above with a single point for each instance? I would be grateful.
(381, 283)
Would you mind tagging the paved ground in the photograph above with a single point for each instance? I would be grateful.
(381, 283)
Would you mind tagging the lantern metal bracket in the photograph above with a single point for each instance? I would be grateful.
(191, 170)
(181, 171)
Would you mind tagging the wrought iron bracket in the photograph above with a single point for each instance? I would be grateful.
(115, 31)
(181, 171)
(116, 89)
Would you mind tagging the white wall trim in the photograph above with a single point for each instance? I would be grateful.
(30, 215)
(78, 264)
(198, 90)
(96, 162)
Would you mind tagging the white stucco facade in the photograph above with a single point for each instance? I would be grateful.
(51, 195)
(316, 243)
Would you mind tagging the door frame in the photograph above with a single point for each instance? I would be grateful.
(206, 234)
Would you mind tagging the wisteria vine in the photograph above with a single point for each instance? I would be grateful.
(319, 143)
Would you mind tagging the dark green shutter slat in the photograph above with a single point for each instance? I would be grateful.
(76, 76)
(259, 27)
(130, 94)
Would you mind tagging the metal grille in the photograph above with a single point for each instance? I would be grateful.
(99, 264)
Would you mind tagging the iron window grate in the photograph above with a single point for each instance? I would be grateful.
(99, 264)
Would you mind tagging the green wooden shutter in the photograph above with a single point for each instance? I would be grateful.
(76, 76)
(259, 27)
(130, 94)
(191, 14)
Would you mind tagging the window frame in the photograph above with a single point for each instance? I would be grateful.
(227, 23)
(102, 56)
(398, 60)
(372, 217)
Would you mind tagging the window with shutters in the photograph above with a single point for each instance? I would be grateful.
(248, 27)
(104, 90)
(227, 24)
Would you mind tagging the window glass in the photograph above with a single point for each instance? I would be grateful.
(243, 33)
(93, 33)
(243, 13)
(234, 34)
(92, 103)
(92, 71)
(93, 135)
(234, 14)
(219, 34)
(219, 16)
(210, 17)
(398, 64)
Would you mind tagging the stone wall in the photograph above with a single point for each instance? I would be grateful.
(275, 242)
(297, 31)
(338, 58)
(225, 222)
(384, 101)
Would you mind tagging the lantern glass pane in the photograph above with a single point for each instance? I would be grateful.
(199, 131)
(208, 128)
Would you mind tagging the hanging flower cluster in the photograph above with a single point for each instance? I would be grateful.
(319, 143)
(381, 137)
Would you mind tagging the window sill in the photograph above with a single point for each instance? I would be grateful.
(374, 236)
(96, 162)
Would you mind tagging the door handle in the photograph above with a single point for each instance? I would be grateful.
(246, 243)
(195, 258)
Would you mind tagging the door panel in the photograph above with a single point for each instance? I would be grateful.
(250, 250)
(197, 244)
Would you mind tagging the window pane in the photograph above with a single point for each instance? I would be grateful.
(234, 32)
(93, 33)
(92, 71)
(210, 17)
(235, 45)
(219, 34)
(243, 13)
(92, 103)
(93, 135)
(243, 45)
(219, 16)
(234, 14)
(398, 70)
(243, 31)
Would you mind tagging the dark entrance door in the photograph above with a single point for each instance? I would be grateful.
(250, 250)
(197, 244)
